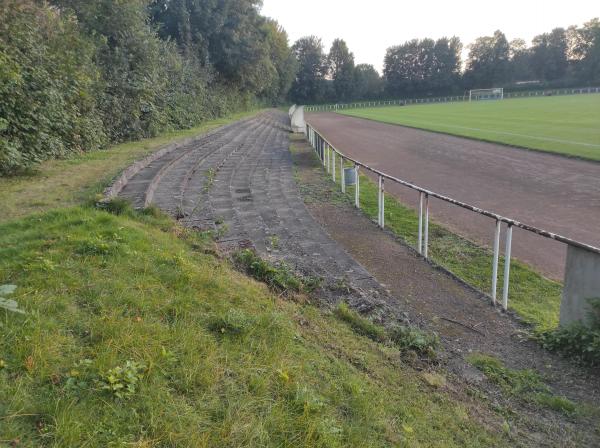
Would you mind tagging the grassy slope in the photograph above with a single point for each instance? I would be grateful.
(226, 362)
(535, 298)
(221, 360)
(61, 183)
(566, 118)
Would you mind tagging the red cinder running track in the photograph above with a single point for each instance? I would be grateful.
(554, 193)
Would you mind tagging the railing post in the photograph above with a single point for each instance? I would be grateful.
(326, 146)
(342, 174)
(333, 165)
(507, 254)
(420, 240)
(495, 260)
(426, 236)
(356, 188)
(381, 203)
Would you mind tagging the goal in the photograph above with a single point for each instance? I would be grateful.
(486, 94)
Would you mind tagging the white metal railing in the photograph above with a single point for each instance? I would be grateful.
(447, 99)
(328, 155)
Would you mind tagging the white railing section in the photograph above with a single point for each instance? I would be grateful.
(447, 99)
(328, 155)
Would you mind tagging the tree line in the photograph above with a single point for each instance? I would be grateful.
(77, 75)
(428, 67)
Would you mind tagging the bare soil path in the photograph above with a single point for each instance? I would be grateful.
(555, 193)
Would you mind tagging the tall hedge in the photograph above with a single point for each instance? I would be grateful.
(76, 75)
(49, 87)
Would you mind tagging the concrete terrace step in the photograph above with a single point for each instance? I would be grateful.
(241, 179)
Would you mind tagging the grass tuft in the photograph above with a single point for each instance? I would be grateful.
(279, 277)
(525, 384)
(359, 324)
(406, 338)
(116, 206)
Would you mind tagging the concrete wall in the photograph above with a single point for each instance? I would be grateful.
(298, 123)
(582, 282)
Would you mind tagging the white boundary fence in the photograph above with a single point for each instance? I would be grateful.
(447, 99)
(330, 156)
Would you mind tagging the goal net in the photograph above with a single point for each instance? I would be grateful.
(486, 94)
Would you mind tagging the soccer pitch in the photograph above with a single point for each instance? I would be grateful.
(567, 125)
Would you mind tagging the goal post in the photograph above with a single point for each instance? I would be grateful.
(486, 94)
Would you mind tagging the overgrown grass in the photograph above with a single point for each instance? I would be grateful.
(63, 183)
(279, 277)
(133, 336)
(361, 325)
(535, 298)
(404, 337)
(525, 384)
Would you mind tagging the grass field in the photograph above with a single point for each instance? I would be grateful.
(566, 125)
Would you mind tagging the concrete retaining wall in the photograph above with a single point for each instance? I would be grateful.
(582, 283)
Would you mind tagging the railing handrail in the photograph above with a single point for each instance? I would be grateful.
(481, 211)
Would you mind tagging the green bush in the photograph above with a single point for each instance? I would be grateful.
(578, 341)
(77, 75)
(48, 87)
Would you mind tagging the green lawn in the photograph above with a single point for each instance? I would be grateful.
(567, 125)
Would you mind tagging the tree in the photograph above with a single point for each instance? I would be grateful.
(488, 63)
(309, 85)
(405, 67)
(422, 67)
(447, 65)
(586, 52)
(283, 60)
(520, 60)
(228, 34)
(368, 85)
(549, 55)
(341, 70)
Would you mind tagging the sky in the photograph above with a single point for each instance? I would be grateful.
(371, 26)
